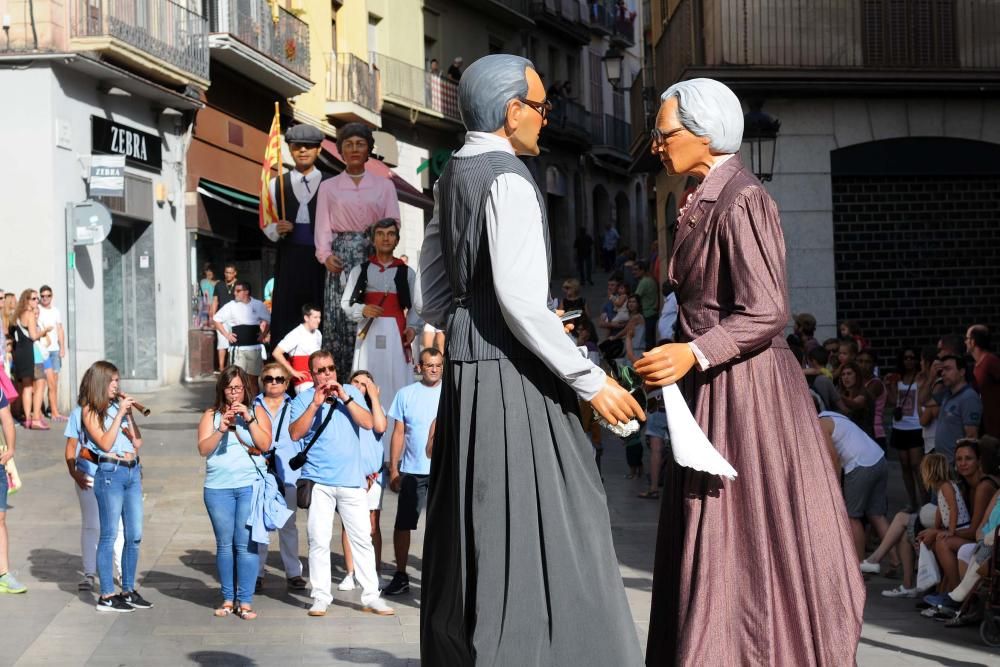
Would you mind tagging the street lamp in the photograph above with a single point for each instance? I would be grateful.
(613, 60)
(760, 131)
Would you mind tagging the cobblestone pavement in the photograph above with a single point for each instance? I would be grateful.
(54, 624)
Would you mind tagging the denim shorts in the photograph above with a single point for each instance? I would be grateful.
(656, 425)
(3, 489)
(55, 362)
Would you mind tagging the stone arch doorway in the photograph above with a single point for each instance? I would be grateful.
(626, 223)
(916, 244)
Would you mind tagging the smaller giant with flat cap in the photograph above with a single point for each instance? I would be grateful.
(518, 565)
(297, 278)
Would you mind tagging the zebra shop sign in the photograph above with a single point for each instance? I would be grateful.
(140, 148)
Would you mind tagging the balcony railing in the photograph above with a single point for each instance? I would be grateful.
(416, 87)
(351, 79)
(932, 36)
(162, 28)
(250, 21)
(569, 118)
(610, 131)
(567, 9)
(610, 18)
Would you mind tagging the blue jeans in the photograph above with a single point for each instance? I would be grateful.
(119, 497)
(3, 489)
(229, 510)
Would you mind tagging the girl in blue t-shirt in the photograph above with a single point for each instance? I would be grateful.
(114, 440)
(374, 456)
(232, 436)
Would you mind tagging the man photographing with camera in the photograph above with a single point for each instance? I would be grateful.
(328, 417)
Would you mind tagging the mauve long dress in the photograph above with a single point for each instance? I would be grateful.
(761, 570)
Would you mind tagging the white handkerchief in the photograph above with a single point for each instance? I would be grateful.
(690, 446)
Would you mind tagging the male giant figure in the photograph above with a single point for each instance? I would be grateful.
(760, 570)
(518, 567)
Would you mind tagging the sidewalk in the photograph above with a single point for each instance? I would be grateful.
(54, 624)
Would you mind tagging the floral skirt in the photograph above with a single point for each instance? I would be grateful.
(338, 331)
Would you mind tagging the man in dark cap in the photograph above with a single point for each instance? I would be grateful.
(298, 279)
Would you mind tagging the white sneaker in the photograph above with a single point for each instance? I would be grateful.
(347, 584)
(317, 609)
(870, 568)
(379, 608)
(900, 591)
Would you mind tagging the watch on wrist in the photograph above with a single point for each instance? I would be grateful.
(348, 401)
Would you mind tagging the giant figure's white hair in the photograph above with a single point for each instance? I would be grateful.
(486, 88)
(708, 108)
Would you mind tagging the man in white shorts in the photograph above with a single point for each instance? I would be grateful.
(244, 322)
(293, 351)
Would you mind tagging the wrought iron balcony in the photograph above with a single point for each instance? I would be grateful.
(416, 88)
(608, 17)
(565, 16)
(286, 41)
(568, 120)
(162, 29)
(806, 39)
(351, 80)
(610, 132)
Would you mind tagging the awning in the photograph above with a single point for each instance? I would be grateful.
(406, 192)
(229, 196)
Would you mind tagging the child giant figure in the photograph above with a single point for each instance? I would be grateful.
(518, 567)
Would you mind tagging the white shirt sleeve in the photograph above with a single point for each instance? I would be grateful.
(703, 362)
(520, 278)
(353, 312)
(432, 281)
(260, 312)
(290, 342)
(222, 314)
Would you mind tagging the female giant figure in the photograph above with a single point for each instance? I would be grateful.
(760, 570)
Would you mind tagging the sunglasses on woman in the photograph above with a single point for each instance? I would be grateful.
(276, 379)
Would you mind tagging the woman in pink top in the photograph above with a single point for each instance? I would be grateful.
(348, 205)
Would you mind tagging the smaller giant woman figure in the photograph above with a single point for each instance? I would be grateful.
(759, 570)
(349, 204)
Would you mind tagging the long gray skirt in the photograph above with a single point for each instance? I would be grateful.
(518, 565)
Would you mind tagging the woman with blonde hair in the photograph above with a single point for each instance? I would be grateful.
(112, 442)
(28, 358)
(952, 515)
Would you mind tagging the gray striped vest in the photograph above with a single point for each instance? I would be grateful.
(476, 329)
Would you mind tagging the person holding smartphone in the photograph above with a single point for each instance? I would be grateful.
(113, 441)
(232, 436)
(330, 416)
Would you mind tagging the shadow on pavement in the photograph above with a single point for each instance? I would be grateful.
(220, 658)
(51, 565)
(896, 648)
(367, 656)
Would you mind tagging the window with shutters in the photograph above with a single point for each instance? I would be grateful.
(909, 33)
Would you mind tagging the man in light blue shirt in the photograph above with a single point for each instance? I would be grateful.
(413, 409)
(335, 468)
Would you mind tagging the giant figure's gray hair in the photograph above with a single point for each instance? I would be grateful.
(486, 87)
(708, 108)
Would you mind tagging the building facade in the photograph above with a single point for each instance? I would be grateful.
(93, 79)
(884, 168)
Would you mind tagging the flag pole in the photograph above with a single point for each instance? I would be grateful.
(281, 179)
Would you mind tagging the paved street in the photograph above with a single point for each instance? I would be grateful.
(54, 624)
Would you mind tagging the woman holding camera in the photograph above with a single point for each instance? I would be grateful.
(113, 441)
(907, 436)
(232, 436)
(274, 399)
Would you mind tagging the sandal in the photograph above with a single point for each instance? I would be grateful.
(246, 613)
(651, 494)
(225, 610)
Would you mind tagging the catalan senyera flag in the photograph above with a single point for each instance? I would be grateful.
(272, 159)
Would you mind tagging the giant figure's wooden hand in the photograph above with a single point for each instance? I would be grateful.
(666, 364)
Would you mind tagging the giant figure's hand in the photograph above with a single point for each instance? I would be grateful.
(666, 364)
(616, 405)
